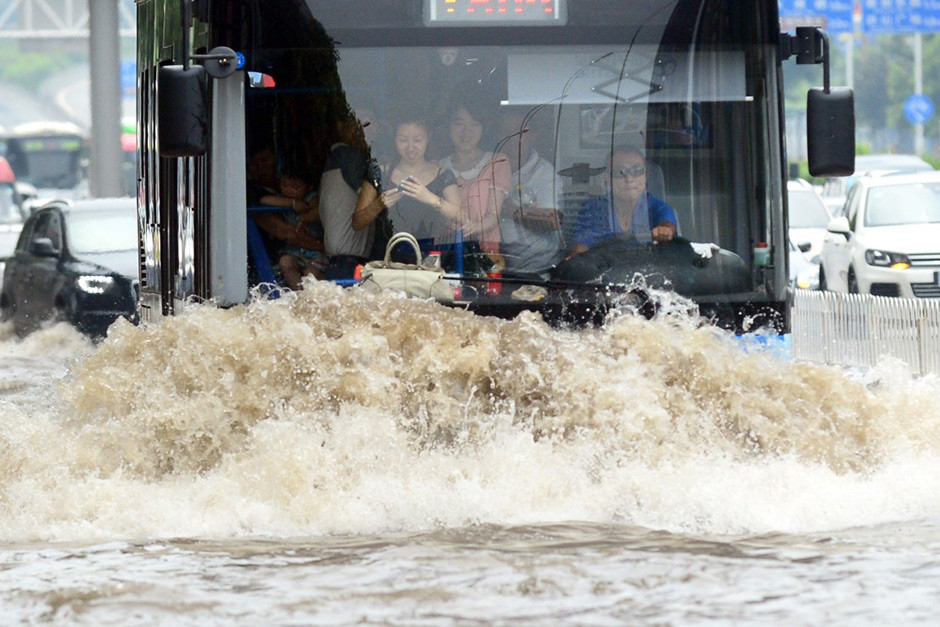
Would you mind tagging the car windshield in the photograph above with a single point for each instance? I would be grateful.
(877, 164)
(807, 211)
(911, 203)
(103, 231)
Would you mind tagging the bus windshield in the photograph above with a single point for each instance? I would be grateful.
(548, 116)
(543, 141)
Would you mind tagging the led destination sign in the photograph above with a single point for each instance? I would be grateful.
(495, 12)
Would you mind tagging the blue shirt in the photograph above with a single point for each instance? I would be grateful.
(597, 220)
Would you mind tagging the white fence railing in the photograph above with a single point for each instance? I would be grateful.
(858, 329)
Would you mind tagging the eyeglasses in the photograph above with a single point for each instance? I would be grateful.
(633, 171)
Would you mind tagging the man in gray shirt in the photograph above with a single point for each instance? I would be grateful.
(530, 221)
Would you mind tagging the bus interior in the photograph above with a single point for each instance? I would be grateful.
(687, 103)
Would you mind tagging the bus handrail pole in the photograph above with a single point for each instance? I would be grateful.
(186, 15)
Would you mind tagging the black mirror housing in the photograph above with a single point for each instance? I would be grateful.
(183, 111)
(830, 129)
(43, 247)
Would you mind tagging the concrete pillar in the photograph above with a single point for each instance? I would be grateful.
(104, 52)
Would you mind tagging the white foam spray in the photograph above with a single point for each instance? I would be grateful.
(329, 412)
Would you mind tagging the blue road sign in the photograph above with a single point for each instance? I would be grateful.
(918, 108)
(877, 16)
(129, 79)
(901, 16)
(836, 15)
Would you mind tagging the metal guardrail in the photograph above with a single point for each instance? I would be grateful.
(858, 329)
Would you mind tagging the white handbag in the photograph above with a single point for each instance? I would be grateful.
(413, 279)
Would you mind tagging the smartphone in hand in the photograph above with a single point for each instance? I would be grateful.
(402, 189)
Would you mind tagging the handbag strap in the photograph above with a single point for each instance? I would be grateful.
(398, 238)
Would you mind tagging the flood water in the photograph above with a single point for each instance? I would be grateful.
(331, 459)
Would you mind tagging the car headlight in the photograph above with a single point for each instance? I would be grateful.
(808, 279)
(895, 261)
(95, 283)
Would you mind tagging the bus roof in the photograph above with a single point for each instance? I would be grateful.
(46, 127)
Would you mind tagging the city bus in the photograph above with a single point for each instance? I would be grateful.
(695, 85)
(49, 155)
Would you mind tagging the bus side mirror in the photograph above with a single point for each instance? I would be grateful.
(830, 111)
(830, 129)
(183, 111)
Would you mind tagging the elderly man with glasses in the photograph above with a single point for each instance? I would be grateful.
(629, 208)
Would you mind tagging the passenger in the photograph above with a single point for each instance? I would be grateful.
(530, 221)
(483, 177)
(422, 197)
(344, 185)
(631, 209)
(277, 231)
(262, 173)
(296, 262)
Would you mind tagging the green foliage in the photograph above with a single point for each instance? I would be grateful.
(860, 149)
(932, 160)
(804, 174)
(883, 78)
(29, 69)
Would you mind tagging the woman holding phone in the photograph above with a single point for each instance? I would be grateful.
(422, 198)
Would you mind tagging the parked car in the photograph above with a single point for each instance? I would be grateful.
(74, 261)
(836, 189)
(804, 272)
(808, 217)
(886, 240)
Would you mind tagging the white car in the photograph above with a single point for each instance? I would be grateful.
(886, 239)
(808, 217)
(836, 189)
(804, 272)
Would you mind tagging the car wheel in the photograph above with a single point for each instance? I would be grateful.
(822, 279)
(853, 282)
(66, 309)
(7, 308)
